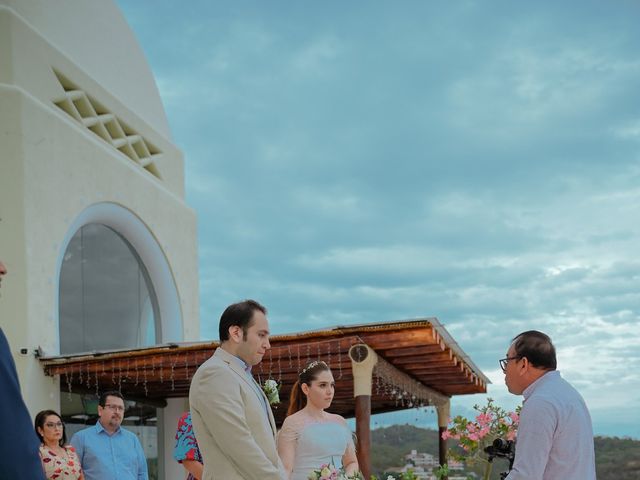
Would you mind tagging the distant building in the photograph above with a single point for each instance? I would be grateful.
(455, 465)
(421, 459)
(423, 466)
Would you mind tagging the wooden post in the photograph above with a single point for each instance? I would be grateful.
(443, 421)
(363, 433)
(363, 359)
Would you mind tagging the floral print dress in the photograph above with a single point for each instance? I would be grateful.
(63, 467)
(186, 445)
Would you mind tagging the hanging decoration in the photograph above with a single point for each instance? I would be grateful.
(143, 373)
(407, 392)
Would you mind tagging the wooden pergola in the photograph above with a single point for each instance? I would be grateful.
(417, 364)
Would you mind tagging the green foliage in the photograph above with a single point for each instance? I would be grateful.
(617, 458)
(408, 475)
(442, 471)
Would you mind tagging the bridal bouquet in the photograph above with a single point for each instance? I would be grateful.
(330, 472)
(325, 472)
(271, 390)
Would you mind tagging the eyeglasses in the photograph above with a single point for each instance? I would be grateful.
(115, 408)
(54, 425)
(504, 361)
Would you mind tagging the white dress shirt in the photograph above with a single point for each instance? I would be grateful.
(555, 436)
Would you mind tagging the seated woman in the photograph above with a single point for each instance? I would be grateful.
(59, 460)
(186, 450)
(310, 436)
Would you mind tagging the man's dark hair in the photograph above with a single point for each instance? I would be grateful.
(239, 314)
(111, 393)
(537, 348)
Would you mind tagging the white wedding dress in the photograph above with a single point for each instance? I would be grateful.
(315, 443)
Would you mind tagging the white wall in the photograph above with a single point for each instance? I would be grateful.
(170, 415)
(52, 169)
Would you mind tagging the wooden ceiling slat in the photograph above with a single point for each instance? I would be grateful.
(413, 351)
(417, 370)
(422, 359)
(415, 348)
(399, 339)
(464, 389)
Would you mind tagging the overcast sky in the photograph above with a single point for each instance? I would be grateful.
(371, 161)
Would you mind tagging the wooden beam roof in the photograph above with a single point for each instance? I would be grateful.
(420, 351)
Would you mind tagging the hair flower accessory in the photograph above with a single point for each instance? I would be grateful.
(272, 390)
(313, 364)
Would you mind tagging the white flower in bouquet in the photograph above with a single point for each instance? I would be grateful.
(325, 472)
(353, 476)
(271, 390)
(330, 472)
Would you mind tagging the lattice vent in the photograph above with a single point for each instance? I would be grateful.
(95, 117)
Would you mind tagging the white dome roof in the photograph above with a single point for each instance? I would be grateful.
(96, 37)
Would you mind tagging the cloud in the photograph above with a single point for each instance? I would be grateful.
(316, 57)
(630, 130)
(353, 164)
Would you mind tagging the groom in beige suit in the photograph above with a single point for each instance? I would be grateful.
(232, 419)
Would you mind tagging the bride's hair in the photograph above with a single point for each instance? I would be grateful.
(307, 375)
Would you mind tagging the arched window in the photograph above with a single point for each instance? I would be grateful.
(106, 298)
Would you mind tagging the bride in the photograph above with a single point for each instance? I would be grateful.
(311, 437)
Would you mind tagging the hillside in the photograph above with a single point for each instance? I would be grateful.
(616, 458)
(390, 444)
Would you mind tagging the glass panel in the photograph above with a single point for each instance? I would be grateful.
(106, 298)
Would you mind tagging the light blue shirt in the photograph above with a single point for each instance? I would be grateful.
(555, 436)
(242, 363)
(110, 457)
(257, 388)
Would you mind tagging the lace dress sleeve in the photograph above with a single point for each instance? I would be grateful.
(287, 442)
(349, 459)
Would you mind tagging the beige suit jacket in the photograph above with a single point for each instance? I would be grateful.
(237, 442)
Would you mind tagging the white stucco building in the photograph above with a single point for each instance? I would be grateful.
(94, 229)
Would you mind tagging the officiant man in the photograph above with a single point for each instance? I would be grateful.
(555, 437)
(231, 415)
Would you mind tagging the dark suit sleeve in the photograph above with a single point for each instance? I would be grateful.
(19, 457)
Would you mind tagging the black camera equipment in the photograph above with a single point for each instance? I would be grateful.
(504, 449)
